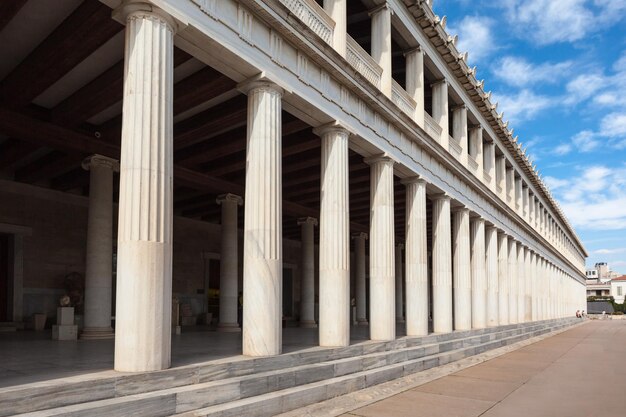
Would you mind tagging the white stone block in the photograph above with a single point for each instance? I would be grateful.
(65, 332)
(65, 316)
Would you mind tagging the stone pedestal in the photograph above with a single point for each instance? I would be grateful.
(65, 329)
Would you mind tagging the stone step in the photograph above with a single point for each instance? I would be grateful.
(109, 384)
(190, 397)
(288, 399)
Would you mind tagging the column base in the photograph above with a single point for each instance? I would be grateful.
(362, 322)
(97, 333)
(308, 324)
(228, 327)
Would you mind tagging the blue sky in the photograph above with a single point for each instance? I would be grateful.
(557, 68)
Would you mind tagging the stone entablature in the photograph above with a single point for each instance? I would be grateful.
(314, 80)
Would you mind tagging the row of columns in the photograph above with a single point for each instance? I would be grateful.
(144, 261)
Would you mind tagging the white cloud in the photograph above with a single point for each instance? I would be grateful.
(613, 125)
(518, 72)
(550, 21)
(609, 251)
(475, 36)
(585, 141)
(523, 105)
(563, 149)
(595, 199)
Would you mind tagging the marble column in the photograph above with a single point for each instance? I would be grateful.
(513, 283)
(491, 266)
(382, 259)
(525, 195)
(442, 264)
(381, 44)
(501, 176)
(229, 263)
(489, 149)
(521, 284)
(510, 187)
(307, 274)
(416, 258)
(334, 309)
(533, 291)
(361, 290)
(263, 220)
(518, 196)
(459, 130)
(144, 250)
(415, 81)
(476, 148)
(461, 269)
(440, 110)
(399, 283)
(503, 279)
(528, 286)
(99, 259)
(337, 10)
(479, 277)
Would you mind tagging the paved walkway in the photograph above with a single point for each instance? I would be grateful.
(577, 373)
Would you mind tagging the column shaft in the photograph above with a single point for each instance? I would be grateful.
(229, 264)
(416, 259)
(399, 284)
(307, 274)
(144, 250)
(361, 290)
(503, 279)
(99, 259)
(381, 44)
(491, 264)
(442, 265)
(440, 111)
(334, 307)
(382, 259)
(528, 308)
(415, 81)
(262, 249)
(336, 9)
(479, 277)
(461, 270)
(513, 283)
(459, 130)
(521, 284)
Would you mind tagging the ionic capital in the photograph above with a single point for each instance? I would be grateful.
(307, 220)
(232, 198)
(101, 161)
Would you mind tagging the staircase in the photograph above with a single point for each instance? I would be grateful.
(260, 386)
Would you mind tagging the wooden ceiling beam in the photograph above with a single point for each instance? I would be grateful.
(81, 33)
(12, 151)
(8, 10)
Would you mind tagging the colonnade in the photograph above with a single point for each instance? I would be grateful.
(480, 275)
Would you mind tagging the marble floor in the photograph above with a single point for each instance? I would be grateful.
(29, 356)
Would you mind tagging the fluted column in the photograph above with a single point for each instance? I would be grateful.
(461, 269)
(513, 283)
(533, 292)
(440, 110)
(521, 284)
(399, 283)
(337, 10)
(307, 274)
(416, 258)
(518, 196)
(479, 277)
(503, 279)
(144, 250)
(382, 259)
(381, 44)
(334, 310)
(99, 259)
(459, 130)
(476, 148)
(361, 290)
(442, 265)
(528, 308)
(229, 263)
(501, 176)
(510, 187)
(263, 230)
(491, 266)
(415, 81)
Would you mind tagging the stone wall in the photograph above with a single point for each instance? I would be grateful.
(56, 247)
